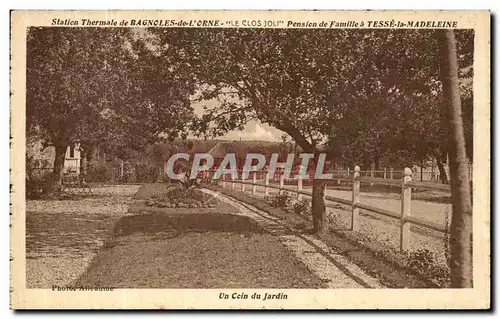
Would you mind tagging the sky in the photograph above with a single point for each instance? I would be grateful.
(253, 130)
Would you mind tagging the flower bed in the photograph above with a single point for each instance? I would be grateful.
(176, 197)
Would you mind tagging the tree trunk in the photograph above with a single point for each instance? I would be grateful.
(318, 189)
(89, 153)
(366, 163)
(443, 176)
(460, 231)
(318, 206)
(318, 201)
(83, 163)
(57, 172)
(421, 170)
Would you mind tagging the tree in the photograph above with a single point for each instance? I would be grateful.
(461, 222)
(276, 76)
(396, 116)
(100, 86)
(308, 84)
(67, 85)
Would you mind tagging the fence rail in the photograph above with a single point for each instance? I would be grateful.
(404, 216)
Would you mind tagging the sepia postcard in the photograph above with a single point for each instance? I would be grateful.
(250, 160)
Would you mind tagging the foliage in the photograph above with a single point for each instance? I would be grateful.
(133, 172)
(101, 87)
(38, 181)
(180, 197)
(313, 91)
(38, 185)
(281, 200)
(99, 172)
(302, 207)
(188, 184)
(145, 172)
(298, 82)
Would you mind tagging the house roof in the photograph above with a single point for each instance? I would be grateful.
(221, 149)
(241, 149)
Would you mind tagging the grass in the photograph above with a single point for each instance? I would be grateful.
(192, 248)
(375, 258)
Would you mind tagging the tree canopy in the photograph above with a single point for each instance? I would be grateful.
(370, 93)
(102, 87)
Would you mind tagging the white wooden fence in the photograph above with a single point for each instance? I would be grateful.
(404, 216)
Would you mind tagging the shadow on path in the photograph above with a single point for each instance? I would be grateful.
(154, 223)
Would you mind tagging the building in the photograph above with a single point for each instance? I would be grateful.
(221, 149)
(43, 158)
(72, 159)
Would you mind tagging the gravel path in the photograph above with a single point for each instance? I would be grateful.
(335, 270)
(63, 236)
(375, 228)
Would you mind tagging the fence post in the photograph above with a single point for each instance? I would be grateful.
(165, 170)
(254, 186)
(391, 173)
(348, 173)
(299, 188)
(266, 182)
(355, 198)
(371, 172)
(121, 170)
(405, 210)
(385, 172)
(282, 181)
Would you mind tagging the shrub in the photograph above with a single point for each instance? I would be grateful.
(302, 207)
(177, 196)
(281, 200)
(38, 185)
(146, 172)
(334, 219)
(99, 172)
(188, 183)
(424, 263)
